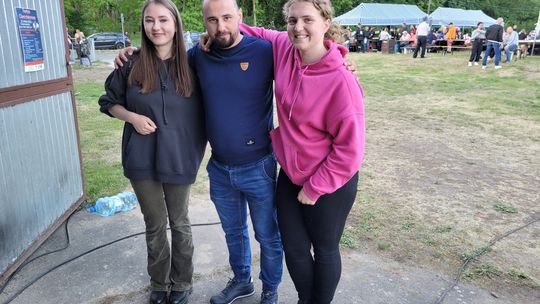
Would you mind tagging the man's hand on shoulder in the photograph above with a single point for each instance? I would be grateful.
(351, 66)
(205, 42)
(123, 56)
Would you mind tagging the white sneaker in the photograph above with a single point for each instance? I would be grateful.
(476, 63)
(484, 67)
(470, 63)
(498, 67)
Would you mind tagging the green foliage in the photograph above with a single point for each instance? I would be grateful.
(190, 11)
(407, 225)
(518, 275)
(504, 208)
(470, 255)
(484, 270)
(348, 240)
(104, 15)
(443, 229)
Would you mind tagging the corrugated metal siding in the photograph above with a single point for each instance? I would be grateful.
(52, 36)
(40, 170)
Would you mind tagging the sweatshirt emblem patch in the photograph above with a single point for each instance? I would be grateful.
(244, 66)
(250, 142)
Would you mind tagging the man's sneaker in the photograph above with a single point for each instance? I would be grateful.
(470, 63)
(484, 67)
(269, 297)
(233, 291)
(498, 67)
(475, 63)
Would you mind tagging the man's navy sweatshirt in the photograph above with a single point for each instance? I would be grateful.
(236, 85)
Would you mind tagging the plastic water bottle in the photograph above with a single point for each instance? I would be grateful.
(107, 206)
(129, 199)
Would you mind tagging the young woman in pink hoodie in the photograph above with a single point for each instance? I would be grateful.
(319, 144)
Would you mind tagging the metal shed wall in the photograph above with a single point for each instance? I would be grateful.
(53, 39)
(41, 179)
(41, 174)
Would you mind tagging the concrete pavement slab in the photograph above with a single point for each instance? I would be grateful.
(117, 273)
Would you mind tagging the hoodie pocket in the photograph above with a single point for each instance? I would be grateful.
(300, 168)
(139, 152)
(176, 154)
(286, 155)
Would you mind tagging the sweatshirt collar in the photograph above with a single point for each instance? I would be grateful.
(332, 59)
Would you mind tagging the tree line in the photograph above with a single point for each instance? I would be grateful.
(104, 15)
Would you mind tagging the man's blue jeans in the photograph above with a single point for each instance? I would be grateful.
(232, 189)
(495, 47)
(366, 46)
(511, 48)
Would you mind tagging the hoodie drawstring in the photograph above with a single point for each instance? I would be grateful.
(163, 87)
(297, 89)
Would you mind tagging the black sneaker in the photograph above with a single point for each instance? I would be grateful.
(158, 297)
(179, 297)
(233, 291)
(269, 297)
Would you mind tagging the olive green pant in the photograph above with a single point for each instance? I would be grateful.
(158, 202)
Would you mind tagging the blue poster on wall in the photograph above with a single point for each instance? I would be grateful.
(30, 35)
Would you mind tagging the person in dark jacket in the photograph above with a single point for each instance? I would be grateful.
(359, 36)
(494, 37)
(163, 143)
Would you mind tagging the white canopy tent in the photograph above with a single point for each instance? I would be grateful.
(460, 17)
(382, 14)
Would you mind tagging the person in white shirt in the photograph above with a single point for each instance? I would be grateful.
(422, 32)
(404, 40)
(384, 35)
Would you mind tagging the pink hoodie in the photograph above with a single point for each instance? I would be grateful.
(320, 139)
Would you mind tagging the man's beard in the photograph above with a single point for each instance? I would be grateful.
(222, 43)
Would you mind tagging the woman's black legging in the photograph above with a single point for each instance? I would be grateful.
(476, 51)
(302, 226)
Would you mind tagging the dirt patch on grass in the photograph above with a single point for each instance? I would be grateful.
(97, 73)
(443, 176)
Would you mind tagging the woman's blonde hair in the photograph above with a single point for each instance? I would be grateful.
(322, 6)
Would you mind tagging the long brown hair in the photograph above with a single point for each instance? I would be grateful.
(146, 69)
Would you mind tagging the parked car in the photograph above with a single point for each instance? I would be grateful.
(110, 40)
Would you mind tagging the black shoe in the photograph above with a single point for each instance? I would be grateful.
(179, 297)
(233, 291)
(269, 297)
(158, 297)
(302, 302)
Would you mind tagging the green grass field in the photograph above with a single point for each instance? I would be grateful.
(451, 162)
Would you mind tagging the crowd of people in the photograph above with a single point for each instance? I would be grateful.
(371, 38)
(422, 38)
